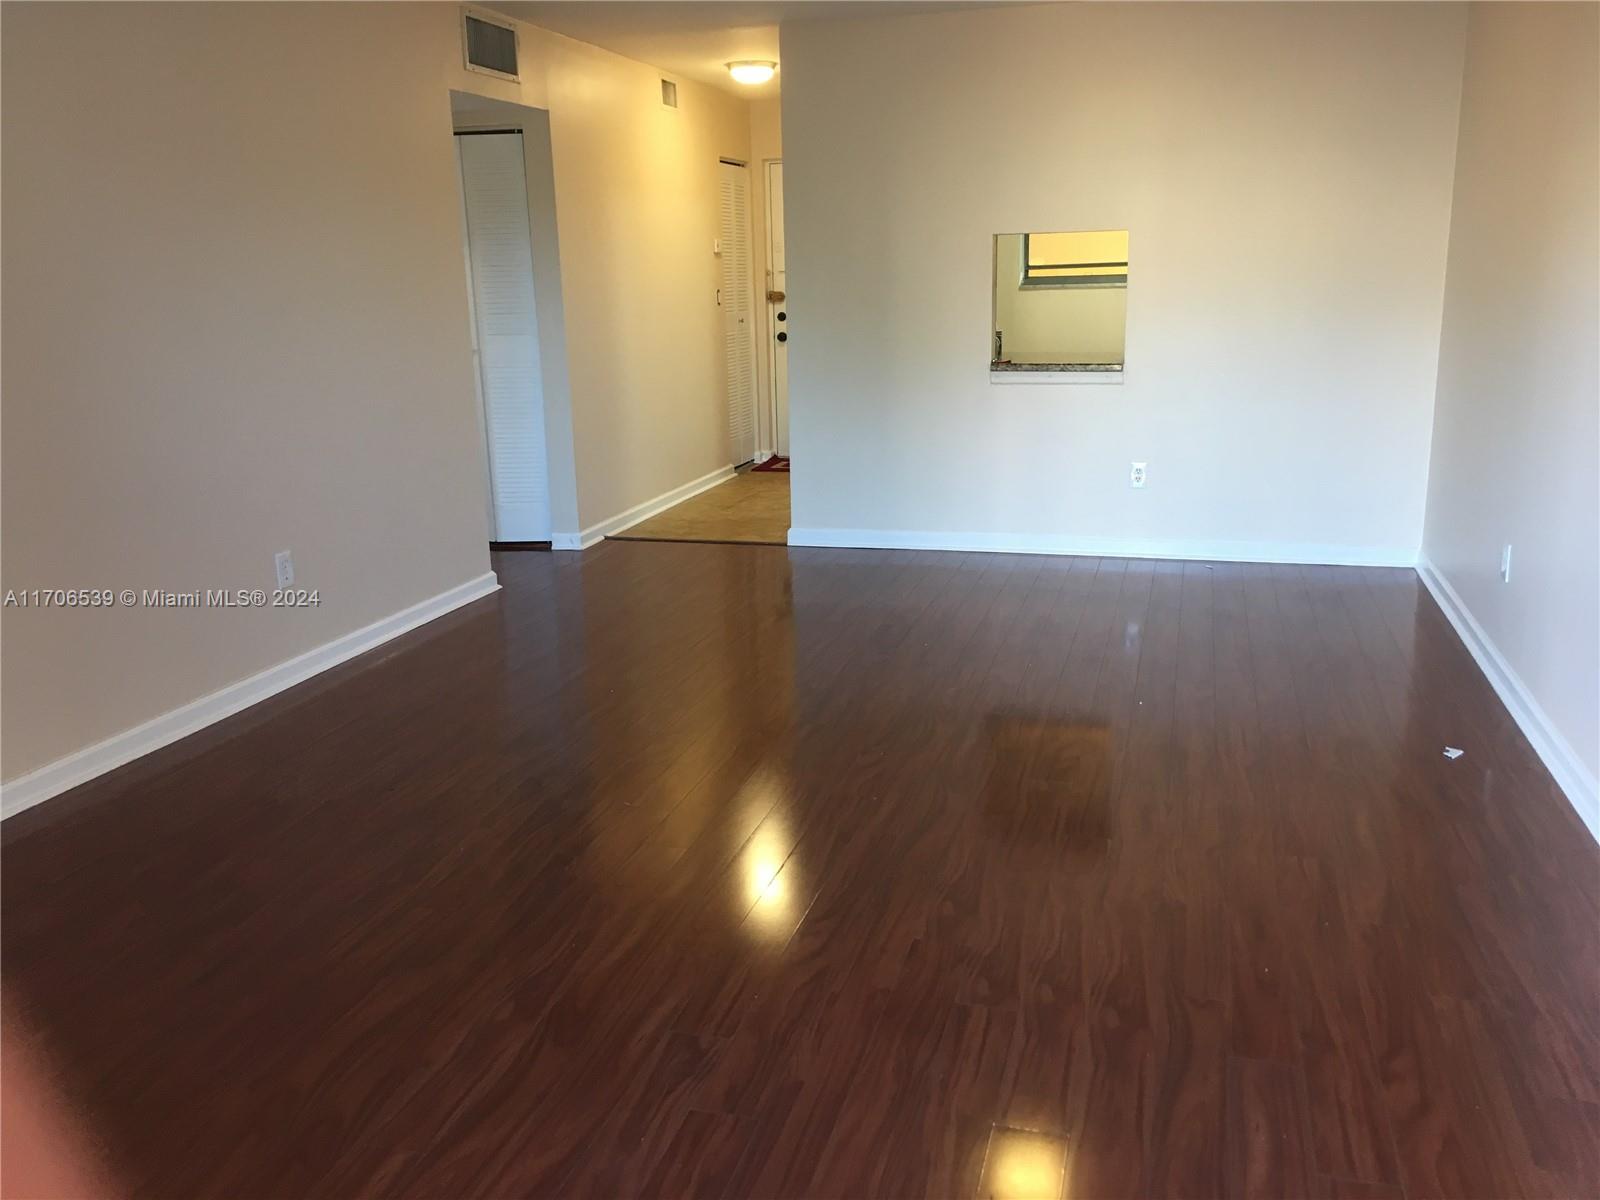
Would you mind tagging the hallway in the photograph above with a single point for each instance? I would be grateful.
(752, 508)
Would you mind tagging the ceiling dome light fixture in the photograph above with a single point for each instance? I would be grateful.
(752, 71)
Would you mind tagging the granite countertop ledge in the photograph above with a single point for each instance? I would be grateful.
(1054, 367)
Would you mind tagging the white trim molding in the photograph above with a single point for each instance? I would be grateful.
(1035, 543)
(1557, 754)
(83, 765)
(1067, 377)
(640, 512)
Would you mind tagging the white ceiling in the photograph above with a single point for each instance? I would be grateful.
(695, 40)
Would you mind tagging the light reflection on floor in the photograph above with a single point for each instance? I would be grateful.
(764, 898)
(768, 893)
(1022, 1166)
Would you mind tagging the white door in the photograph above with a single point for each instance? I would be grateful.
(738, 328)
(778, 309)
(494, 192)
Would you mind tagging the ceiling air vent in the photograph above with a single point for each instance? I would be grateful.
(669, 93)
(491, 45)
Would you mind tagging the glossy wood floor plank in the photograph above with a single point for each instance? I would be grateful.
(731, 871)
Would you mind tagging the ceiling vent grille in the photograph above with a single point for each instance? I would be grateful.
(491, 45)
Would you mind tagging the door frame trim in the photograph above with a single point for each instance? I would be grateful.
(755, 346)
(771, 446)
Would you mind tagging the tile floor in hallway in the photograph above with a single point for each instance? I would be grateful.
(752, 507)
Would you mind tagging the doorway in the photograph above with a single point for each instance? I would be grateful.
(505, 333)
(735, 299)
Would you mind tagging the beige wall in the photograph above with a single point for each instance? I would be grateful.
(1516, 443)
(1284, 172)
(766, 145)
(235, 321)
(636, 199)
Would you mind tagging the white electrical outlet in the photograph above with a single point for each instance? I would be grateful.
(1505, 564)
(283, 563)
(1136, 474)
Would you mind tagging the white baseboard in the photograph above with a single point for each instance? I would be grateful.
(1553, 749)
(83, 765)
(639, 512)
(1033, 543)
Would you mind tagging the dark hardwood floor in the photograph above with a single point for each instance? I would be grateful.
(702, 870)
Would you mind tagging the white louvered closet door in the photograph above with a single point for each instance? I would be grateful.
(738, 329)
(500, 260)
